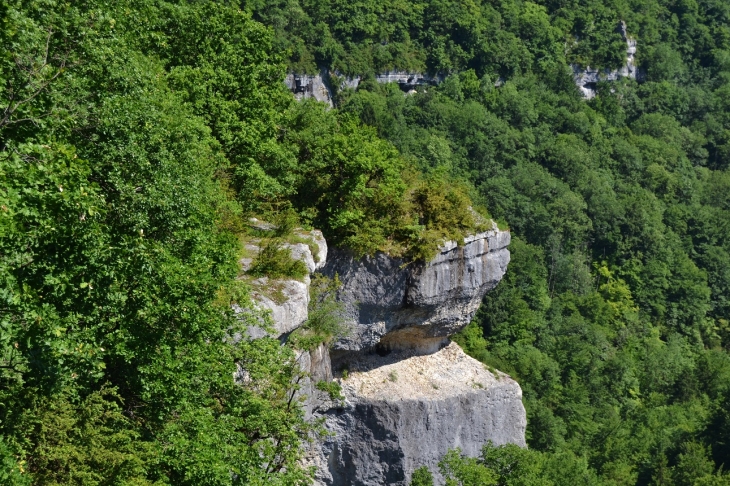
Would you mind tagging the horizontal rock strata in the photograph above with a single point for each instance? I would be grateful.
(410, 394)
(319, 86)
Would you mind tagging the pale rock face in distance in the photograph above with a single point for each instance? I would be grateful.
(586, 78)
(319, 86)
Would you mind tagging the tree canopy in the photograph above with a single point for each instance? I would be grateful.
(138, 137)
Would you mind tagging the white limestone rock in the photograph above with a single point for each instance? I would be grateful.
(309, 86)
(286, 299)
(419, 395)
(393, 304)
(586, 78)
(319, 86)
(406, 410)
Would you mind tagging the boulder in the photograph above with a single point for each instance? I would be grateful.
(286, 299)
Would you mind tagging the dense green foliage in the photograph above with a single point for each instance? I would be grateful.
(137, 138)
(135, 141)
(510, 465)
(364, 196)
(507, 37)
(117, 275)
(498, 38)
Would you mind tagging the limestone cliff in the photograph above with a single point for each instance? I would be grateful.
(321, 86)
(406, 410)
(409, 393)
(395, 304)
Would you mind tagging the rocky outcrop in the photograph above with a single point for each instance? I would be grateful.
(408, 80)
(320, 86)
(586, 78)
(410, 394)
(393, 304)
(287, 300)
(406, 410)
(309, 86)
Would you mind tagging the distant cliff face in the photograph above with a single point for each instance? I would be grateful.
(410, 394)
(319, 86)
(586, 77)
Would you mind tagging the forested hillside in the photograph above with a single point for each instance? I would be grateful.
(613, 315)
(137, 138)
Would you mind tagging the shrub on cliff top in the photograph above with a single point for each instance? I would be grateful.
(364, 196)
(276, 261)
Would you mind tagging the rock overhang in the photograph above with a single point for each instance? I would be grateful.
(385, 297)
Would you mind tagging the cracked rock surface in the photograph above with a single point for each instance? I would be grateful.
(392, 303)
(410, 393)
(286, 299)
(406, 410)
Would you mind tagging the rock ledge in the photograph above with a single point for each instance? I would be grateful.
(406, 410)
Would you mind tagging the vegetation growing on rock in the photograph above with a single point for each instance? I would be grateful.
(325, 322)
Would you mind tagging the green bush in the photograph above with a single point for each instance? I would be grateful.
(422, 477)
(13, 470)
(325, 323)
(364, 196)
(276, 262)
(332, 388)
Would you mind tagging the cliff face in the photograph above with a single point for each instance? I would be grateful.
(320, 86)
(410, 394)
(392, 304)
(309, 86)
(406, 410)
